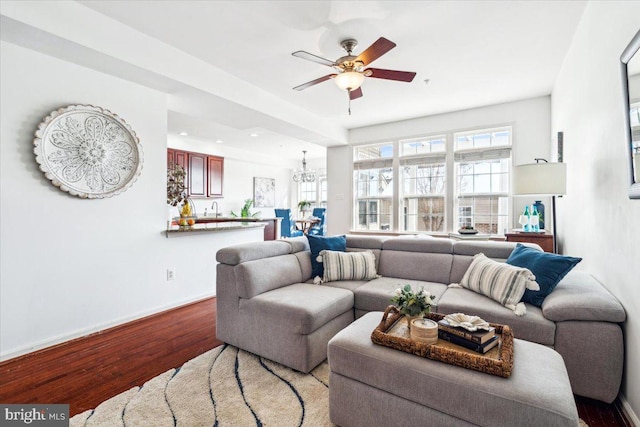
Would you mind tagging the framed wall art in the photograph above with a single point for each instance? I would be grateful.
(88, 151)
(264, 192)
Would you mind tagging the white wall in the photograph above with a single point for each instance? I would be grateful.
(596, 220)
(339, 189)
(71, 266)
(530, 118)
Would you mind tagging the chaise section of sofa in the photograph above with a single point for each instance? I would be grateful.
(268, 305)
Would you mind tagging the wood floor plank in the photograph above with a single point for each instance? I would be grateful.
(86, 371)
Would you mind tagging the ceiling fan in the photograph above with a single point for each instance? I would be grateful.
(350, 69)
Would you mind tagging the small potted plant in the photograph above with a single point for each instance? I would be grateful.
(245, 212)
(304, 206)
(413, 304)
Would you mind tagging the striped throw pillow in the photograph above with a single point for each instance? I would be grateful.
(348, 265)
(501, 282)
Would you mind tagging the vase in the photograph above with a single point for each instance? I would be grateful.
(540, 207)
(535, 219)
(526, 217)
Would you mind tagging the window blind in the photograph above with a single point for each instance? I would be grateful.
(427, 159)
(482, 154)
(372, 164)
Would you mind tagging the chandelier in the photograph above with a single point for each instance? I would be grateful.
(304, 175)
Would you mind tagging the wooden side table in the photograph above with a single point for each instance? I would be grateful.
(544, 240)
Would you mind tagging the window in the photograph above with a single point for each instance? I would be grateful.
(373, 187)
(322, 183)
(307, 191)
(482, 166)
(314, 192)
(423, 145)
(423, 175)
(483, 139)
(374, 196)
(465, 216)
(444, 182)
(377, 151)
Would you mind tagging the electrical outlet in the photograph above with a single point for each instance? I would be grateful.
(171, 274)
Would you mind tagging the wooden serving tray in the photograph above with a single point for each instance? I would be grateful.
(393, 332)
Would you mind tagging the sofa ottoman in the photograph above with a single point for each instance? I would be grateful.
(371, 384)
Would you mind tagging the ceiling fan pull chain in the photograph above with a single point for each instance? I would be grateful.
(349, 96)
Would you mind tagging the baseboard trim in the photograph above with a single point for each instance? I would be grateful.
(61, 339)
(628, 411)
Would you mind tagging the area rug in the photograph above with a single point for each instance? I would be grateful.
(224, 386)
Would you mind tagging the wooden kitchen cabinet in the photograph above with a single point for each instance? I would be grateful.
(197, 175)
(204, 173)
(177, 157)
(544, 240)
(215, 173)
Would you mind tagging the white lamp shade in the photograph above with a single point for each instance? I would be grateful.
(540, 178)
(349, 80)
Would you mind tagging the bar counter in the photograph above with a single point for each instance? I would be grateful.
(212, 227)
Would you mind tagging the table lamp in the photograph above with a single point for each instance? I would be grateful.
(542, 179)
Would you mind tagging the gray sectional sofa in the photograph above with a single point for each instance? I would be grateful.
(267, 303)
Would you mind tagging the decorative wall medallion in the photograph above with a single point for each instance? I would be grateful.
(88, 151)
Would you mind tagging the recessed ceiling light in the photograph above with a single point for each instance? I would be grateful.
(183, 133)
(254, 134)
(219, 141)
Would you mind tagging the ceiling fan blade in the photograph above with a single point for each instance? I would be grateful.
(314, 82)
(314, 58)
(376, 50)
(355, 94)
(401, 76)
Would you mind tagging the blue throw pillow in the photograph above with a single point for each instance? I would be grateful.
(548, 268)
(321, 243)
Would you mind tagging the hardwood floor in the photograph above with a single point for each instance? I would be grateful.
(89, 370)
(596, 413)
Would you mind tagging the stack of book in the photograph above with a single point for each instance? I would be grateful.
(480, 341)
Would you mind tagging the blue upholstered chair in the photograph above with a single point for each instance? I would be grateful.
(288, 225)
(319, 229)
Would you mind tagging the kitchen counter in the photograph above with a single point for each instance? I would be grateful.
(271, 225)
(209, 227)
(211, 218)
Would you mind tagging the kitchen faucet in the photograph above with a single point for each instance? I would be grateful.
(216, 205)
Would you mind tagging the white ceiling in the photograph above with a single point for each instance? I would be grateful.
(474, 53)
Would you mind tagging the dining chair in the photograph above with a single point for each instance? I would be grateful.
(288, 225)
(320, 228)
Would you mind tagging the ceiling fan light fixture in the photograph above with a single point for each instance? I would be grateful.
(349, 80)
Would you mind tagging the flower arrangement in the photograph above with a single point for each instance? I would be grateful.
(176, 191)
(413, 303)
